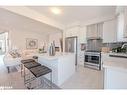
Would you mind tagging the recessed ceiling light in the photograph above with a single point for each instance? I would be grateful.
(56, 10)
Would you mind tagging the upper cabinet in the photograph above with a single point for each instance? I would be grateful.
(125, 23)
(94, 31)
(110, 31)
(82, 35)
(120, 27)
(121, 24)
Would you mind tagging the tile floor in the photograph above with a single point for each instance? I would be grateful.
(83, 78)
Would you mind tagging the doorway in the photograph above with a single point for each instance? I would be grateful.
(3, 46)
(3, 43)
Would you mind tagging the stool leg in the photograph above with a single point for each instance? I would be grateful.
(51, 80)
(42, 81)
(24, 75)
(8, 69)
(30, 87)
(21, 70)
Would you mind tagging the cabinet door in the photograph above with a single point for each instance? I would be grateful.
(110, 31)
(120, 28)
(95, 30)
(99, 30)
(125, 23)
(82, 35)
(115, 79)
(91, 31)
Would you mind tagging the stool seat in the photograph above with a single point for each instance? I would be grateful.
(35, 57)
(40, 70)
(27, 61)
(31, 65)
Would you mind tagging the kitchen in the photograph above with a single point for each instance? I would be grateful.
(101, 38)
(91, 43)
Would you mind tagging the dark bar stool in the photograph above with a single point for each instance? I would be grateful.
(40, 71)
(35, 71)
(25, 62)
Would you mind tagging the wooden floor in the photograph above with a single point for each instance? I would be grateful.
(83, 78)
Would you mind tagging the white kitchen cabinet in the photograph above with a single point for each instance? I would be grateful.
(125, 23)
(120, 28)
(122, 24)
(115, 79)
(94, 30)
(115, 71)
(82, 35)
(81, 58)
(110, 31)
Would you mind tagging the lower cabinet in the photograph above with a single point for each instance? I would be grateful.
(115, 79)
(81, 58)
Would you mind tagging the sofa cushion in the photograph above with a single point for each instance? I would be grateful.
(14, 54)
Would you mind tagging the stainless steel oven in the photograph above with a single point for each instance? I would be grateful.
(93, 59)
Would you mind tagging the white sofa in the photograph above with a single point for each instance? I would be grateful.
(9, 61)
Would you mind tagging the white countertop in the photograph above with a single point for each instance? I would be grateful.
(119, 54)
(115, 62)
(120, 66)
(57, 55)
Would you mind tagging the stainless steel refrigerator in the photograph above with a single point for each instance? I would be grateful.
(71, 46)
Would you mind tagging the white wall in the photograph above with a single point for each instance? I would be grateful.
(17, 38)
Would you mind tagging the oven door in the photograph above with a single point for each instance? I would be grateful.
(92, 59)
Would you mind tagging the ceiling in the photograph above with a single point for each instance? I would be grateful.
(73, 14)
(69, 15)
(10, 20)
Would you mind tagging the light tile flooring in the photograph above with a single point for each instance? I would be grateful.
(83, 78)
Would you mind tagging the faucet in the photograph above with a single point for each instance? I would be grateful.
(125, 44)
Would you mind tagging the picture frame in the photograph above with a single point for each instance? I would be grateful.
(31, 43)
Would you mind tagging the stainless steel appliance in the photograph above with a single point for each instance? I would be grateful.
(93, 59)
(93, 53)
(71, 46)
(94, 44)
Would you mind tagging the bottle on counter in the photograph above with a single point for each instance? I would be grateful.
(54, 52)
(52, 49)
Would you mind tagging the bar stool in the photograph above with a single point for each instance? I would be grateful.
(35, 71)
(29, 66)
(40, 71)
(25, 62)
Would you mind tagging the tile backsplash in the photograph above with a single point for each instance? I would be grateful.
(113, 45)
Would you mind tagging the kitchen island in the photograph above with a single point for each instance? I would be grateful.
(115, 70)
(62, 65)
